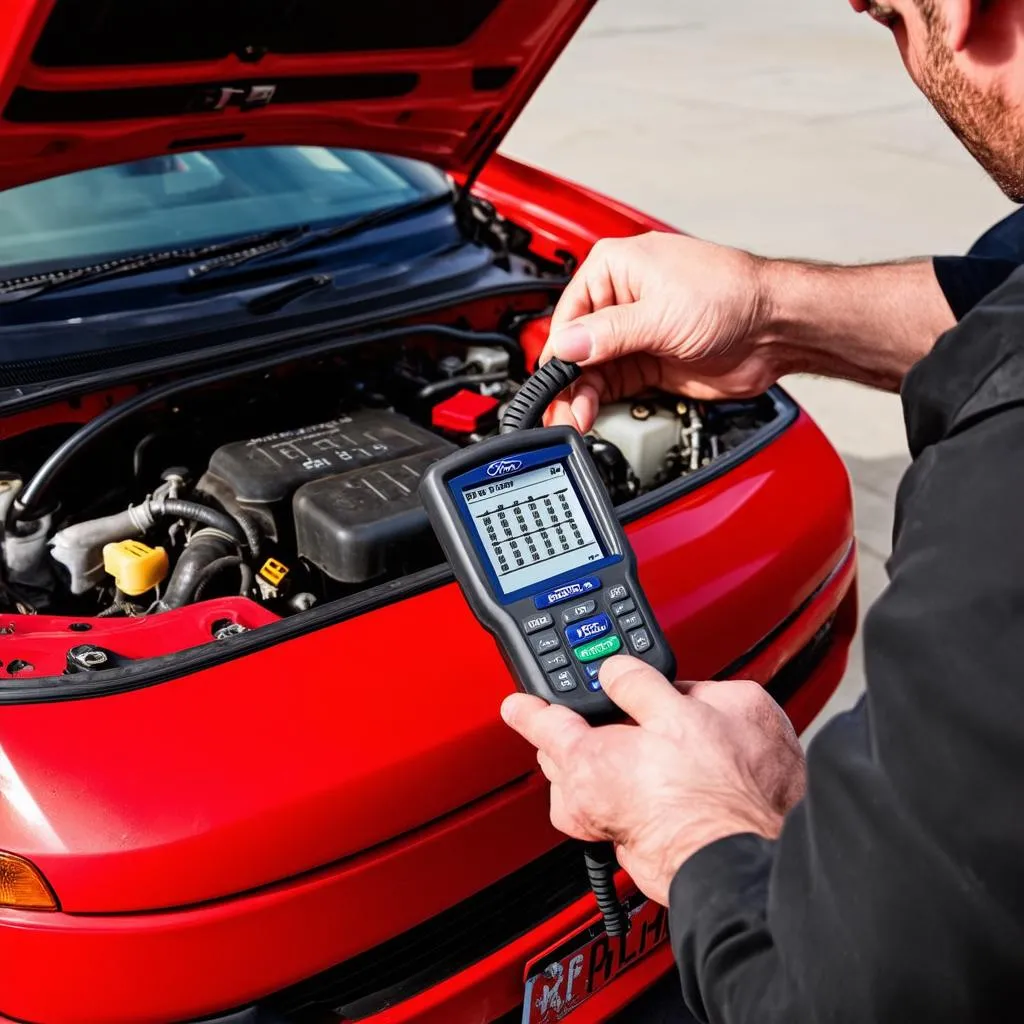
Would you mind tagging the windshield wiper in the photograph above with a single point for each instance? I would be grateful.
(308, 239)
(210, 258)
(21, 288)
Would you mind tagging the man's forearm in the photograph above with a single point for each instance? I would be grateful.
(866, 324)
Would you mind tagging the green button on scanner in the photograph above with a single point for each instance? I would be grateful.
(599, 649)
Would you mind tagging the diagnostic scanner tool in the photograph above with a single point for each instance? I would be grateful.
(531, 535)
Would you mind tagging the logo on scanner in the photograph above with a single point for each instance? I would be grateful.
(503, 467)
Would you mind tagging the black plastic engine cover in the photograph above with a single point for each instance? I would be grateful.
(260, 475)
(360, 525)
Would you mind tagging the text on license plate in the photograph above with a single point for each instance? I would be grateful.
(565, 978)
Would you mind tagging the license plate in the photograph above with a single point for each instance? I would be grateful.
(563, 979)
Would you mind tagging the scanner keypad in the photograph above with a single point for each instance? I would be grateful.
(595, 623)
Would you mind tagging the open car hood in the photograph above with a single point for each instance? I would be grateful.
(86, 83)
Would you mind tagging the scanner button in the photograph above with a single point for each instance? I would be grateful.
(562, 681)
(618, 593)
(578, 611)
(640, 641)
(545, 643)
(580, 588)
(590, 675)
(589, 629)
(598, 649)
(632, 621)
(549, 662)
(622, 607)
(542, 620)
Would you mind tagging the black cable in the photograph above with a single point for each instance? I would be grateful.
(439, 387)
(528, 407)
(208, 573)
(31, 498)
(524, 412)
(246, 576)
(251, 531)
(140, 451)
(601, 865)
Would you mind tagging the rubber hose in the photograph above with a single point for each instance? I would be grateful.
(210, 572)
(31, 498)
(601, 865)
(251, 531)
(526, 410)
(207, 516)
(245, 579)
(203, 549)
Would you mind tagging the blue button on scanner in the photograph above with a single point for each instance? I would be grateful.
(590, 674)
(567, 592)
(589, 629)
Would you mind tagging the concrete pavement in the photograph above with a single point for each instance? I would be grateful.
(790, 130)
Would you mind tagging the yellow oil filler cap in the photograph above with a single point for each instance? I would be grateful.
(136, 567)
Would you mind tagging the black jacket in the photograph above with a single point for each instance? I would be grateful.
(896, 891)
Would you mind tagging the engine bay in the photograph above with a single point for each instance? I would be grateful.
(275, 492)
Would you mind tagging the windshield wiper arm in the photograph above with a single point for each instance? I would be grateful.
(387, 215)
(20, 289)
(308, 239)
(210, 258)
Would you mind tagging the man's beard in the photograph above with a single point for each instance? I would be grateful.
(984, 122)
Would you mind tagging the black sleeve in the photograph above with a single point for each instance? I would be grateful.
(1004, 240)
(966, 280)
(896, 890)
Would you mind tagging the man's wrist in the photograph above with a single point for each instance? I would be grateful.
(793, 300)
(869, 324)
(765, 824)
(775, 332)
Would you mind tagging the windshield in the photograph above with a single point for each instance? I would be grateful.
(191, 199)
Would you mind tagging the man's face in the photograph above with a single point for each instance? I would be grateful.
(979, 114)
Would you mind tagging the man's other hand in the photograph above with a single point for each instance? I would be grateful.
(662, 311)
(672, 313)
(704, 761)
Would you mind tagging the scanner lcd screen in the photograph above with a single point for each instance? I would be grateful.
(533, 527)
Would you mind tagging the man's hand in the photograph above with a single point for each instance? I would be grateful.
(661, 311)
(702, 762)
(673, 313)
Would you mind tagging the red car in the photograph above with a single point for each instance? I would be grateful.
(259, 267)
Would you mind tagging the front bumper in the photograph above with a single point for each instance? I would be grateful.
(246, 953)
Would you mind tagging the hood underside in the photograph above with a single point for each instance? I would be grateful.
(87, 83)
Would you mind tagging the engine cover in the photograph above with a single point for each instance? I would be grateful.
(362, 524)
(352, 483)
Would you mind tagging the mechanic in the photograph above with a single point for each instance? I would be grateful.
(883, 881)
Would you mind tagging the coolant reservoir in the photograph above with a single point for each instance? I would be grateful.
(643, 433)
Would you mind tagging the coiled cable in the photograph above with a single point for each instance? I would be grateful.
(528, 407)
(525, 412)
(601, 865)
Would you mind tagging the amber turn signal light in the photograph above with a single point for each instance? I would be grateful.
(22, 886)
